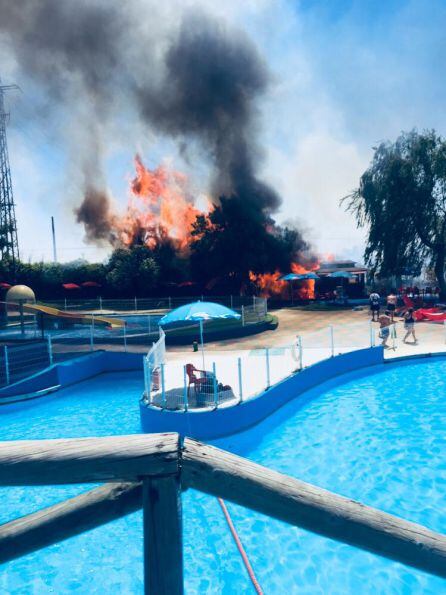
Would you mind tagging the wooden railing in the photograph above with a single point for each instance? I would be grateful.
(151, 470)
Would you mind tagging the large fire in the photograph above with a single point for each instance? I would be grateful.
(270, 284)
(161, 206)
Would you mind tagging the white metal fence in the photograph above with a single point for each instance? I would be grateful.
(231, 377)
(234, 375)
(154, 363)
(39, 342)
(225, 379)
(20, 361)
(137, 304)
(30, 326)
(39, 348)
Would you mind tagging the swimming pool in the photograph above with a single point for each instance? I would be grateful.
(379, 438)
(136, 324)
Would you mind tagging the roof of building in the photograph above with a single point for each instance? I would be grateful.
(341, 265)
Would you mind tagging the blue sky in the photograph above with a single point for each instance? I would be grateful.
(346, 74)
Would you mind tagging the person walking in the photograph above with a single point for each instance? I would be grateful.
(392, 301)
(409, 326)
(385, 322)
(374, 300)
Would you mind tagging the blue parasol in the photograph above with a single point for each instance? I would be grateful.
(299, 277)
(341, 275)
(198, 311)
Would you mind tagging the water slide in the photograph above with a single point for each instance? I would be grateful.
(75, 318)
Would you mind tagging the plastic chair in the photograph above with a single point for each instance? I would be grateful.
(194, 380)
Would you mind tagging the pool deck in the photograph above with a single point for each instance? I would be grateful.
(351, 331)
(350, 326)
(323, 334)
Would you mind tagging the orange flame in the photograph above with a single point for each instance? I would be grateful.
(270, 284)
(306, 289)
(161, 206)
(327, 257)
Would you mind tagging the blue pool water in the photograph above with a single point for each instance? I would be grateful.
(378, 438)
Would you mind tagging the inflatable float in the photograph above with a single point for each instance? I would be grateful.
(433, 314)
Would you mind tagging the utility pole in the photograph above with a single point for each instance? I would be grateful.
(53, 230)
(9, 246)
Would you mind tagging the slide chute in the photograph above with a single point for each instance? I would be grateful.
(75, 318)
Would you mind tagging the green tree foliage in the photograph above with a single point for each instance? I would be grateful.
(235, 239)
(80, 271)
(401, 199)
(132, 271)
(173, 264)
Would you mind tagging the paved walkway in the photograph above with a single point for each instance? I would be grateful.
(323, 334)
(351, 329)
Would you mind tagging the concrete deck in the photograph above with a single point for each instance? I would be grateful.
(352, 330)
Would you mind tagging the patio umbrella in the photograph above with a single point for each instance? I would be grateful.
(91, 284)
(198, 312)
(186, 284)
(341, 275)
(70, 286)
(299, 276)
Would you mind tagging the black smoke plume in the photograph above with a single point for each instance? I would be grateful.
(212, 78)
(197, 81)
(96, 215)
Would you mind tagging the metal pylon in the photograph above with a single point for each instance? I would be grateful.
(9, 247)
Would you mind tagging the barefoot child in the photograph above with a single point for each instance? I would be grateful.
(409, 326)
(385, 323)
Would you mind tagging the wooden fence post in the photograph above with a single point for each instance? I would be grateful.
(163, 536)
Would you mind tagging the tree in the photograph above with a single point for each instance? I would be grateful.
(236, 238)
(132, 271)
(402, 200)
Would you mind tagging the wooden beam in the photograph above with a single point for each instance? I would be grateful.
(68, 518)
(233, 478)
(87, 460)
(163, 537)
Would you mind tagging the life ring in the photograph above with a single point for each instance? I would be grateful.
(295, 352)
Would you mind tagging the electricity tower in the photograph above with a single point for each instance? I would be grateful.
(9, 246)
